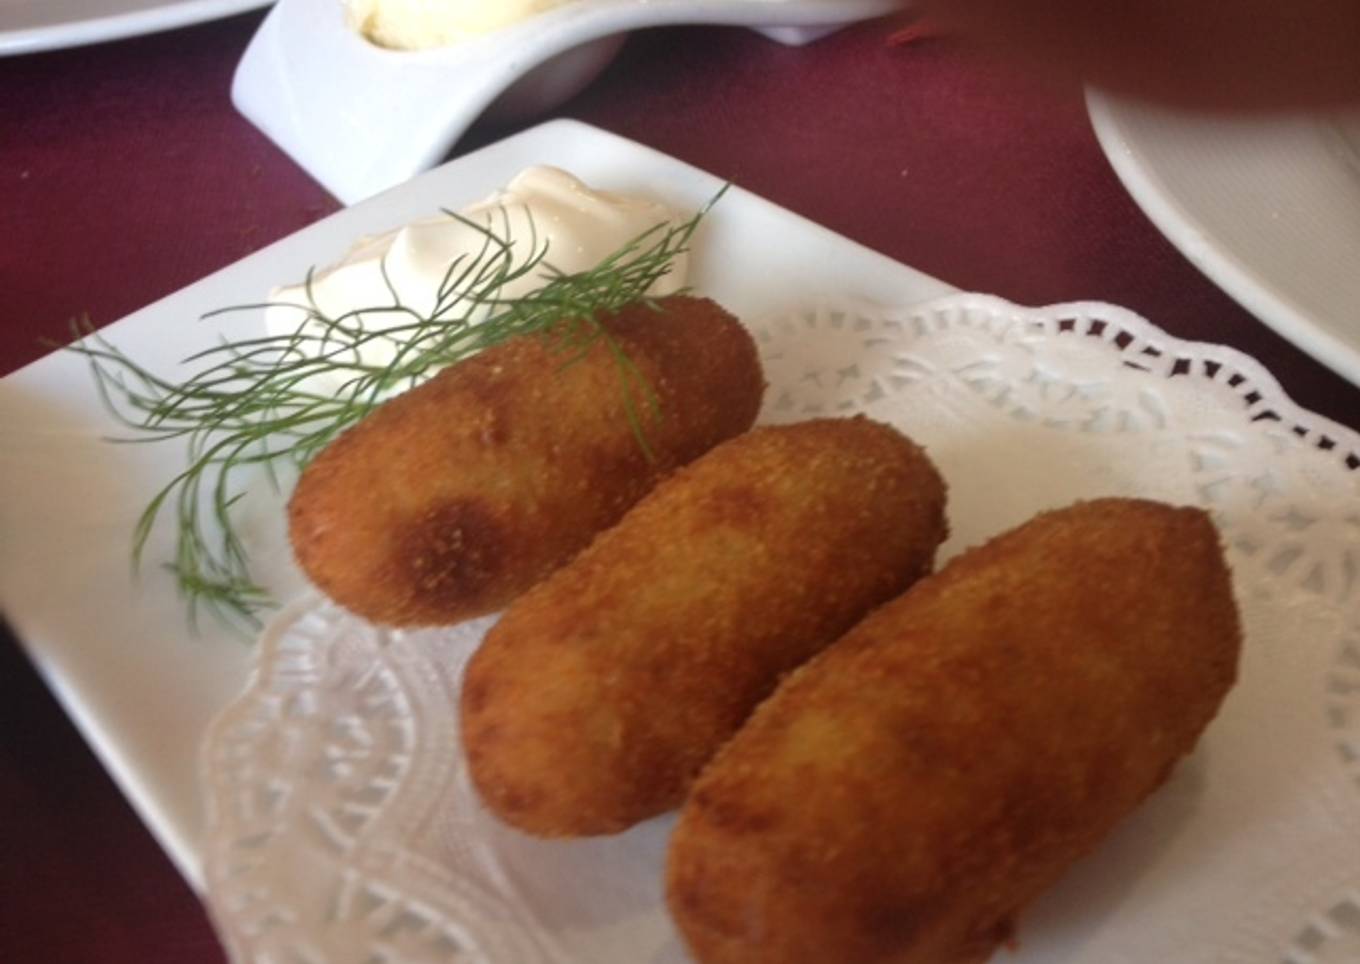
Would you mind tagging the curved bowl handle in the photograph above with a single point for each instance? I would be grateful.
(360, 118)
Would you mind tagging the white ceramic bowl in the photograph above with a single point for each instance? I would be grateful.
(361, 118)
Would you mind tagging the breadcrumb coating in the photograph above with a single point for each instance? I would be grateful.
(599, 695)
(902, 797)
(449, 500)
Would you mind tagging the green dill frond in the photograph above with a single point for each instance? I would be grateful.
(254, 403)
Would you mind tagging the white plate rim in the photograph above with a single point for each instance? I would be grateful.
(1209, 254)
(107, 22)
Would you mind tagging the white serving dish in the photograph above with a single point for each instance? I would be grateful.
(361, 118)
(1249, 854)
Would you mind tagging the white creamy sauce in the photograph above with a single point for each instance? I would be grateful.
(418, 24)
(541, 206)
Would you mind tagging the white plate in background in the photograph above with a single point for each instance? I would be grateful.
(27, 26)
(118, 651)
(1267, 206)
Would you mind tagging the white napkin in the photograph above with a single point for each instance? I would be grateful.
(342, 827)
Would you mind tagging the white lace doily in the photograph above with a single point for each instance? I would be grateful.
(343, 829)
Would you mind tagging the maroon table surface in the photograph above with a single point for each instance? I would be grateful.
(125, 174)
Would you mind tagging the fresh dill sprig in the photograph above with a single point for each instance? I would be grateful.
(256, 403)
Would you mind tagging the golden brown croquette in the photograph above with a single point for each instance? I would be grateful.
(905, 795)
(595, 700)
(449, 500)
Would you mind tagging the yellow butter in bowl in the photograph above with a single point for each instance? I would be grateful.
(420, 24)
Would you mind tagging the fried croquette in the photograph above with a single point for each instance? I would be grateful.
(903, 796)
(449, 500)
(595, 700)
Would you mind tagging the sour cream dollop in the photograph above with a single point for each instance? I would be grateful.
(418, 24)
(542, 205)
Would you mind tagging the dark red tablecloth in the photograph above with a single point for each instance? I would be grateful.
(125, 174)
